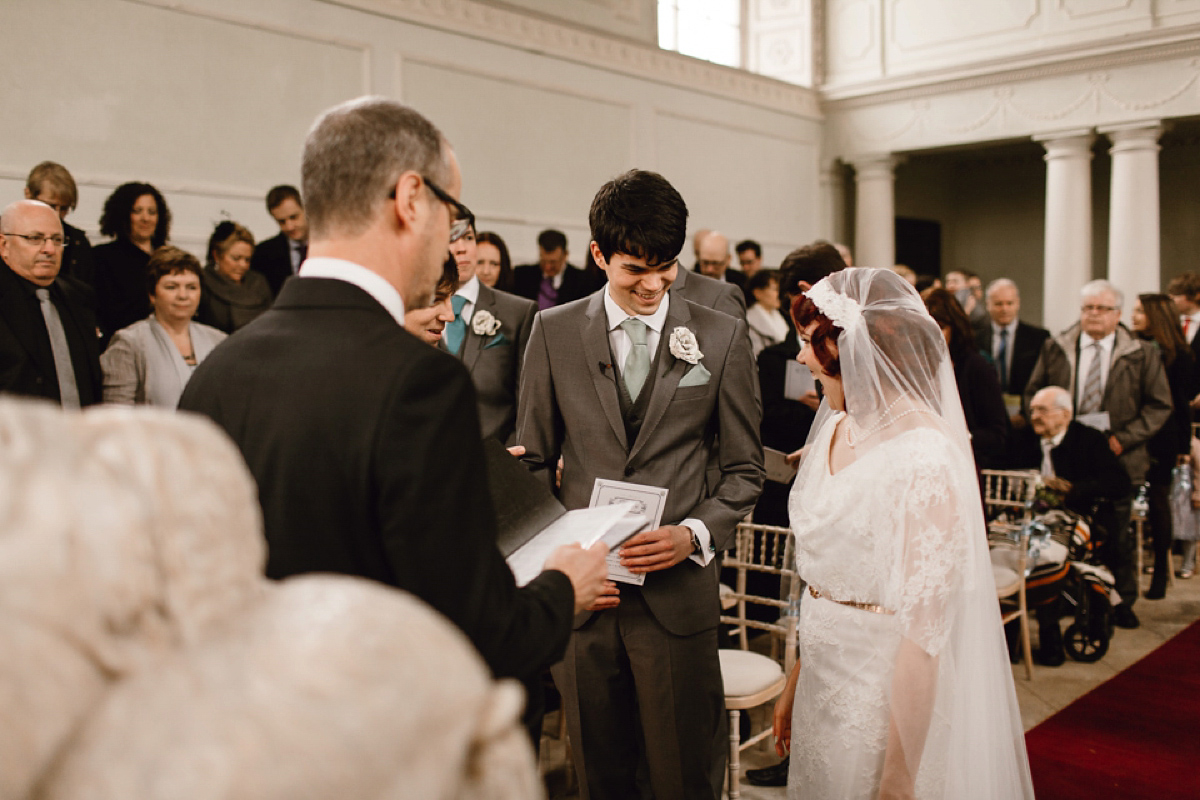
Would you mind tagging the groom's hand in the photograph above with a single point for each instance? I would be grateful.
(661, 548)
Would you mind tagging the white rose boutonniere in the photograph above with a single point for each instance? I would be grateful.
(684, 345)
(484, 324)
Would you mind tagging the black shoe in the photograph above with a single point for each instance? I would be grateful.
(1050, 652)
(770, 776)
(1123, 617)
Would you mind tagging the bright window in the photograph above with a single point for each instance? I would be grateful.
(707, 29)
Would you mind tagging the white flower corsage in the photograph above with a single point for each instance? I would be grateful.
(684, 345)
(484, 324)
(842, 310)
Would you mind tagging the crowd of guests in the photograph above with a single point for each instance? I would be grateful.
(1099, 409)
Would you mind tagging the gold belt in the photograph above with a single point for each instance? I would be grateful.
(874, 608)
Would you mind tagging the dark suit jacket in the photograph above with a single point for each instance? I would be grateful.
(273, 258)
(121, 293)
(576, 283)
(733, 276)
(569, 406)
(495, 361)
(26, 360)
(1026, 347)
(365, 445)
(983, 410)
(706, 291)
(78, 263)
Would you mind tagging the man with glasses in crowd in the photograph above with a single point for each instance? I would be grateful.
(1119, 387)
(48, 345)
(364, 441)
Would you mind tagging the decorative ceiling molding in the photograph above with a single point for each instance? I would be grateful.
(512, 29)
(1130, 51)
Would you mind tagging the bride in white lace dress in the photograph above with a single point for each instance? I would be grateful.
(903, 687)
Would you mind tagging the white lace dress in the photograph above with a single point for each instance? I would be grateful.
(891, 529)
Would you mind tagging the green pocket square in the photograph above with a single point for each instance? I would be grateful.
(496, 341)
(696, 376)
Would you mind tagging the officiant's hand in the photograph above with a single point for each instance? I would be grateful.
(661, 548)
(587, 570)
(610, 597)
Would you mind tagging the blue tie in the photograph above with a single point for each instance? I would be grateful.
(1002, 359)
(456, 330)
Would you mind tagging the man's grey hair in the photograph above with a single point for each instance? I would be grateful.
(353, 156)
(1099, 286)
(1060, 397)
(1001, 283)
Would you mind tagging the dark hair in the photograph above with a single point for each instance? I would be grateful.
(926, 281)
(282, 192)
(762, 279)
(1162, 325)
(809, 264)
(947, 313)
(639, 214)
(448, 281)
(1187, 284)
(749, 244)
(49, 174)
(504, 282)
(804, 313)
(468, 215)
(169, 260)
(118, 209)
(551, 240)
(225, 235)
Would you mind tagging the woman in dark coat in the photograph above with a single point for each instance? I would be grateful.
(137, 217)
(978, 385)
(233, 293)
(1155, 318)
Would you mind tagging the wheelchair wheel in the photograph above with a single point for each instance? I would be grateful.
(1083, 645)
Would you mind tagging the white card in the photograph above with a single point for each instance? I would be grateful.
(648, 501)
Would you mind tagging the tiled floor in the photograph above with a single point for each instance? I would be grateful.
(1050, 690)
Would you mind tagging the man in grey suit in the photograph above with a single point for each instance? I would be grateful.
(488, 335)
(636, 385)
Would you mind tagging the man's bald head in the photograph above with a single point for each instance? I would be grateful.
(698, 237)
(36, 263)
(1050, 411)
(714, 256)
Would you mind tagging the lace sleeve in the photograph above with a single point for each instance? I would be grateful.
(928, 553)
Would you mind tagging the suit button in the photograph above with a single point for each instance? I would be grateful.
(628, 471)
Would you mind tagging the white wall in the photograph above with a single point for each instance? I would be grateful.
(210, 101)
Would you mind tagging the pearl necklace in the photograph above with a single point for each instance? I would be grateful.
(883, 423)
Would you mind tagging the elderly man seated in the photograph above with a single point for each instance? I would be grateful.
(1076, 461)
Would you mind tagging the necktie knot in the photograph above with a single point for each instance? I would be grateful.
(636, 330)
(458, 302)
(43, 295)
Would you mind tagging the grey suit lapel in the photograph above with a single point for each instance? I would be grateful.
(670, 371)
(599, 365)
(472, 342)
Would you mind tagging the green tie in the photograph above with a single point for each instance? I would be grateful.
(637, 363)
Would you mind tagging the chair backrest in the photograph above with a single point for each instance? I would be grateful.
(765, 550)
(1008, 492)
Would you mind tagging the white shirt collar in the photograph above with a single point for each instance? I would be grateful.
(616, 315)
(470, 290)
(1106, 343)
(1056, 439)
(1010, 327)
(370, 282)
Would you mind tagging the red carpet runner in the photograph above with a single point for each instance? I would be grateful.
(1136, 736)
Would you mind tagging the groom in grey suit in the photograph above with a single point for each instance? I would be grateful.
(634, 385)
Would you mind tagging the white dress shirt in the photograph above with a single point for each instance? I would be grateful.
(1048, 445)
(1193, 324)
(294, 254)
(619, 341)
(1085, 363)
(370, 282)
(470, 291)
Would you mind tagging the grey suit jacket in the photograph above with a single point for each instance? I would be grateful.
(703, 290)
(495, 361)
(569, 406)
(1136, 394)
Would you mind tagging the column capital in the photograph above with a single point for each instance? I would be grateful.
(1076, 143)
(1133, 136)
(874, 165)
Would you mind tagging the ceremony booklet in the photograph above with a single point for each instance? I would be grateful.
(778, 469)
(797, 380)
(647, 501)
(531, 523)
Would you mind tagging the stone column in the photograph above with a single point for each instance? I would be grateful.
(875, 211)
(1068, 260)
(1133, 231)
(833, 201)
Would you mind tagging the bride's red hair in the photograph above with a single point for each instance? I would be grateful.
(824, 336)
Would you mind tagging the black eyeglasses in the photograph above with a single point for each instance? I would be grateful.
(39, 239)
(460, 215)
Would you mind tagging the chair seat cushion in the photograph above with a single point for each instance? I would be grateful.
(1007, 580)
(746, 673)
